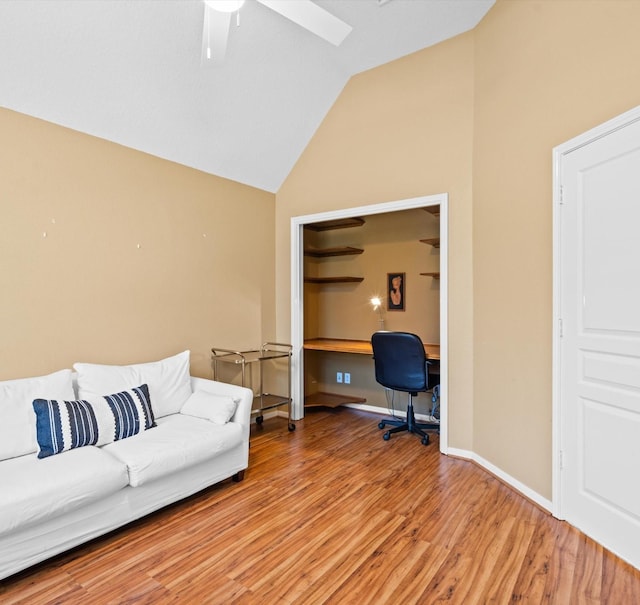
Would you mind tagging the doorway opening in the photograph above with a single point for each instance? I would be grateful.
(297, 292)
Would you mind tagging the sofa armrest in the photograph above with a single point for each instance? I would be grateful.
(245, 396)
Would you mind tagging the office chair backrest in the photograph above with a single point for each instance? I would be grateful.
(400, 361)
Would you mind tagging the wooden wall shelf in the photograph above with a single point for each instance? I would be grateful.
(323, 253)
(435, 274)
(435, 210)
(432, 241)
(333, 280)
(340, 223)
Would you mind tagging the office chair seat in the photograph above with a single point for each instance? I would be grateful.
(401, 365)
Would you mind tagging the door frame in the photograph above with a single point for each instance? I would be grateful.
(559, 153)
(297, 293)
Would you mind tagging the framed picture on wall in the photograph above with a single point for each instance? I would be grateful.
(396, 285)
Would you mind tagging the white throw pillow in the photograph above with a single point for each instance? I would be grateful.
(215, 408)
(168, 379)
(17, 426)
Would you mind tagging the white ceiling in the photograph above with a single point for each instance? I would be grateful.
(129, 71)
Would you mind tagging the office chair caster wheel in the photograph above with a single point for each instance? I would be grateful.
(292, 427)
(259, 419)
(425, 440)
(386, 436)
(381, 425)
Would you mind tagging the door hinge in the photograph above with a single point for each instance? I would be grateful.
(560, 328)
(561, 459)
(561, 194)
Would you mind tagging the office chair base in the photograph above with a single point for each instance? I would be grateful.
(424, 440)
(410, 425)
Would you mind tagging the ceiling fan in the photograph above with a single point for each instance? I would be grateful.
(218, 14)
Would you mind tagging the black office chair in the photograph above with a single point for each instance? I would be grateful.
(401, 365)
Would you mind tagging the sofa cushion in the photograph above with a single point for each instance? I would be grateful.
(168, 379)
(215, 408)
(17, 428)
(176, 443)
(34, 490)
(65, 425)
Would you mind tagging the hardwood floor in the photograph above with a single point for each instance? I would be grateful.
(331, 513)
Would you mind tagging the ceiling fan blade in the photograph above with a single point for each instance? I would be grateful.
(215, 33)
(310, 16)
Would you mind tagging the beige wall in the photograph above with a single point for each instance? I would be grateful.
(545, 72)
(477, 117)
(392, 136)
(203, 273)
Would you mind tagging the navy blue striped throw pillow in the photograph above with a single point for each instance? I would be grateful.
(65, 425)
(132, 411)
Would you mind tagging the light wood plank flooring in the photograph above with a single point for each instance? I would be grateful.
(331, 513)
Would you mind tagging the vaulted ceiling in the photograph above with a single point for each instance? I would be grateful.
(129, 71)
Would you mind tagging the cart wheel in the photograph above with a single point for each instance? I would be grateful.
(381, 425)
(259, 419)
(386, 436)
(425, 440)
(292, 427)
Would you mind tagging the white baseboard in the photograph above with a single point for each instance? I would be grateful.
(458, 453)
(271, 414)
(383, 411)
(504, 477)
(467, 455)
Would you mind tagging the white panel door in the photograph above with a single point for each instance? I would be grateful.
(598, 345)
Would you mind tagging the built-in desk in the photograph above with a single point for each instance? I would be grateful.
(361, 347)
(343, 345)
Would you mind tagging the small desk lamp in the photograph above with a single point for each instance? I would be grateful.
(377, 306)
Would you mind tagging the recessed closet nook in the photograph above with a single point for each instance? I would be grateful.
(347, 262)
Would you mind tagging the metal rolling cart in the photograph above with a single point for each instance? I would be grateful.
(269, 351)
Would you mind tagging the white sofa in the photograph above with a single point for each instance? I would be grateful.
(51, 502)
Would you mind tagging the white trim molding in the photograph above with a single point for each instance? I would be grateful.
(507, 479)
